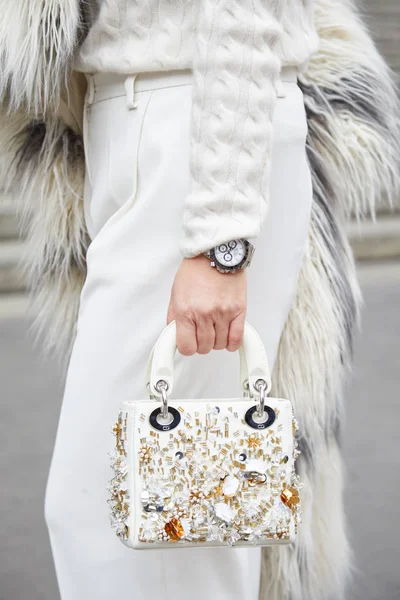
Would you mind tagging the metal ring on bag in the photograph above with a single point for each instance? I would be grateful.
(246, 389)
(176, 417)
(162, 386)
(261, 385)
(252, 423)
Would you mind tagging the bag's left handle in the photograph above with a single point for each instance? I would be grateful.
(253, 361)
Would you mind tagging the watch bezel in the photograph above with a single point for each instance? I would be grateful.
(234, 267)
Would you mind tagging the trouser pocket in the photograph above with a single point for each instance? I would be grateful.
(112, 134)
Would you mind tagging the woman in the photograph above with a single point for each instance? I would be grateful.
(194, 135)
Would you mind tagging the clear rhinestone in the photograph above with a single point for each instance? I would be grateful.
(233, 537)
(224, 513)
(230, 485)
(216, 533)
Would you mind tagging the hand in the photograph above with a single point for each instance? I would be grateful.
(209, 307)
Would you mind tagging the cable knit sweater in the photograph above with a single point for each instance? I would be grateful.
(236, 49)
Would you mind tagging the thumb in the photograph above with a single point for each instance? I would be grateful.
(170, 313)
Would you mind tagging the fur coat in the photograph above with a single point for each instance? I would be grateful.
(353, 150)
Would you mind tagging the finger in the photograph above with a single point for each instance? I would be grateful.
(205, 335)
(221, 334)
(170, 313)
(236, 331)
(186, 341)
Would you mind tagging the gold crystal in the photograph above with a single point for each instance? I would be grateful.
(174, 529)
(290, 496)
(253, 442)
(117, 429)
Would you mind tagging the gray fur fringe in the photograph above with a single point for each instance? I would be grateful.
(46, 171)
(353, 149)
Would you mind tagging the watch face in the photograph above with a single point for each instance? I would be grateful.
(230, 254)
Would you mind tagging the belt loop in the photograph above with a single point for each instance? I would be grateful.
(280, 88)
(90, 89)
(130, 92)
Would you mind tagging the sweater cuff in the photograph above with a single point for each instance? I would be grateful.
(199, 238)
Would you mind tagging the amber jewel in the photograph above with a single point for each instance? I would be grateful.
(174, 529)
(290, 497)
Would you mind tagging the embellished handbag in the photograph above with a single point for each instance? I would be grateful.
(205, 472)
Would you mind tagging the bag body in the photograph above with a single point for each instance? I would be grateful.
(206, 472)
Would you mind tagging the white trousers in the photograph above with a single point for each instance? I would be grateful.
(137, 149)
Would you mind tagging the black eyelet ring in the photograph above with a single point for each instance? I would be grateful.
(250, 421)
(175, 421)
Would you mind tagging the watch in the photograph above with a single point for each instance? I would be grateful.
(231, 256)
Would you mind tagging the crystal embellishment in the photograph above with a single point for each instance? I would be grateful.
(119, 496)
(212, 479)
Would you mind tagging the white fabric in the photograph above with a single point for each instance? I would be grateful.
(236, 49)
(138, 178)
(151, 35)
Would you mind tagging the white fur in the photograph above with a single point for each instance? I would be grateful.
(362, 158)
(37, 39)
(314, 327)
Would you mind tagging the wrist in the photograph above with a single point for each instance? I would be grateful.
(197, 258)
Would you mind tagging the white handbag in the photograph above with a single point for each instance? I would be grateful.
(205, 472)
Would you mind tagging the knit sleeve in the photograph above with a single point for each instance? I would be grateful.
(233, 99)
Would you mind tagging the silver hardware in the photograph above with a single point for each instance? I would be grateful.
(254, 476)
(251, 249)
(162, 387)
(246, 387)
(151, 395)
(261, 386)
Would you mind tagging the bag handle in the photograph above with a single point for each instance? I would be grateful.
(253, 361)
(244, 377)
